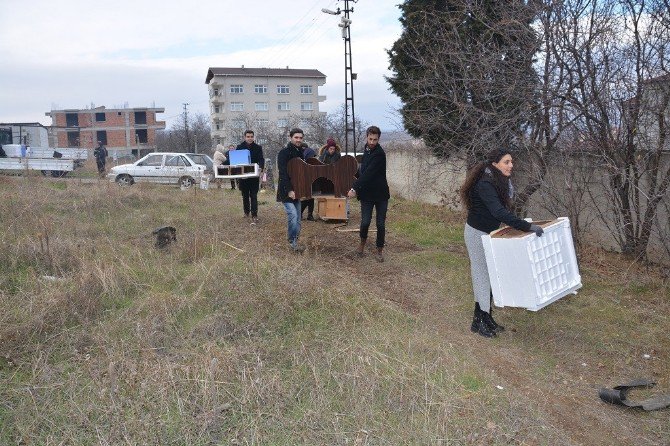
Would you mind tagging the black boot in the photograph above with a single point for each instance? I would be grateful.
(491, 323)
(479, 326)
(488, 318)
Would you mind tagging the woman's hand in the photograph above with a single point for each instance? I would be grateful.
(537, 230)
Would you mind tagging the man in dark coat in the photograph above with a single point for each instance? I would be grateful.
(372, 189)
(100, 154)
(249, 186)
(307, 152)
(285, 190)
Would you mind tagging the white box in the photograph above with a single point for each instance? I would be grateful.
(531, 272)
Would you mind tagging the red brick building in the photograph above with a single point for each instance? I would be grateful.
(125, 130)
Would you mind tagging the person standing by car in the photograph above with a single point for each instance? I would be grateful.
(100, 154)
(487, 195)
(249, 186)
(372, 189)
(285, 190)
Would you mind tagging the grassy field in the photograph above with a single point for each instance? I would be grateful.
(106, 340)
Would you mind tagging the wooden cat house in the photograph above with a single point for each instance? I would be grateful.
(328, 184)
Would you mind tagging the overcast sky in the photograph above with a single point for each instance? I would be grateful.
(71, 53)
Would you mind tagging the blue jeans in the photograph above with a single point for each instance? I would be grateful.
(292, 209)
(366, 218)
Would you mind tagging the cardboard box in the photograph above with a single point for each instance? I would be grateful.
(531, 272)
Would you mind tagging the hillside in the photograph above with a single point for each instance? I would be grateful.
(228, 338)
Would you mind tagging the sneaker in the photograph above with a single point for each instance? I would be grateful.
(246, 215)
(254, 220)
(310, 217)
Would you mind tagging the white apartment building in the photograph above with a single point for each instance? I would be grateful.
(262, 99)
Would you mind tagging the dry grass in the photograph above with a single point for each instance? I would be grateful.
(105, 340)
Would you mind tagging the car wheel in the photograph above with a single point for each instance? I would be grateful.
(124, 180)
(186, 182)
(46, 173)
(58, 173)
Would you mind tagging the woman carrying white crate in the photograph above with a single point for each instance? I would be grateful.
(487, 195)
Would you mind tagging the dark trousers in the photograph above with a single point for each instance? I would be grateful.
(366, 218)
(249, 189)
(309, 204)
(101, 165)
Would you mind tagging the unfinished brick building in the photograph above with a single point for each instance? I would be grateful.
(124, 130)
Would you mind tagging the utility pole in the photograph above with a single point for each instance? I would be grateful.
(349, 75)
(188, 139)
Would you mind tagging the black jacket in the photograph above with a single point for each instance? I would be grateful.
(100, 153)
(327, 158)
(285, 186)
(487, 210)
(255, 151)
(371, 184)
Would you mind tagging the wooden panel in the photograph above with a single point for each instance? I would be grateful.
(341, 173)
(331, 208)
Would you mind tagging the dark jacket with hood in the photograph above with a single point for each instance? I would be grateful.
(285, 186)
(255, 151)
(327, 158)
(371, 184)
(487, 209)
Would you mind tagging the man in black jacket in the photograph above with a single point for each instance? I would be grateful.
(100, 154)
(285, 190)
(372, 189)
(249, 186)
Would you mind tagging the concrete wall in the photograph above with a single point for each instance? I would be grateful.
(414, 173)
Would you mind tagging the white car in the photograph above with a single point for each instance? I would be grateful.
(159, 167)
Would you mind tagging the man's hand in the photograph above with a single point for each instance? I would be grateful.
(291, 195)
(351, 193)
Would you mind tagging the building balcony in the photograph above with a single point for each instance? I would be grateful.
(320, 98)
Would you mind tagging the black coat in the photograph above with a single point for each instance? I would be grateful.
(371, 184)
(487, 210)
(285, 186)
(255, 152)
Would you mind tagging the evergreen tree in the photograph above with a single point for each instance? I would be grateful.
(464, 72)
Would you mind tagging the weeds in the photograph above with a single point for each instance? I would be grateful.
(106, 340)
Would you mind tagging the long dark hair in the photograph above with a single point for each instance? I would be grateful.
(499, 181)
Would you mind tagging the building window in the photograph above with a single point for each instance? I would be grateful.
(305, 123)
(216, 92)
(71, 120)
(218, 126)
(261, 106)
(217, 109)
(101, 136)
(306, 106)
(218, 140)
(262, 141)
(282, 123)
(237, 124)
(283, 106)
(141, 118)
(141, 136)
(283, 89)
(305, 89)
(236, 89)
(262, 122)
(100, 117)
(237, 106)
(260, 89)
(73, 139)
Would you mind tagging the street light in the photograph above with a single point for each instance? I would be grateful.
(349, 76)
